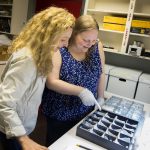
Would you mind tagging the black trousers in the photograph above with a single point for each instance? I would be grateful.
(9, 144)
(55, 129)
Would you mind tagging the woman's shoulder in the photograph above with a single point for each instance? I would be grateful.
(23, 59)
(98, 48)
(63, 50)
(22, 53)
(65, 54)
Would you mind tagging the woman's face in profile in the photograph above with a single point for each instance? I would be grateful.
(64, 38)
(86, 39)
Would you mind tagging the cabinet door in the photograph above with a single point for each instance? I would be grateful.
(19, 15)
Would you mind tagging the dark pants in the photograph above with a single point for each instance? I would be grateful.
(55, 129)
(9, 144)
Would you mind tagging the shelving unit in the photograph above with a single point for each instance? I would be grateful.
(5, 15)
(141, 12)
(14, 14)
(129, 9)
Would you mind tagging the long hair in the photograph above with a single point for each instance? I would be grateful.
(40, 36)
(82, 24)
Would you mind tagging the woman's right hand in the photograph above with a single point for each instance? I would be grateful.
(87, 97)
(29, 144)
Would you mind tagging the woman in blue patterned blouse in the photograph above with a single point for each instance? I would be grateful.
(76, 80)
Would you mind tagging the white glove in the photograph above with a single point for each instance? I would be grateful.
(101, 101)
(87, 97)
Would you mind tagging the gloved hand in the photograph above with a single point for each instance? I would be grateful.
(87, 97)
(101, 101)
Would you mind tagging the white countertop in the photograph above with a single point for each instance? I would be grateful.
(70, 139)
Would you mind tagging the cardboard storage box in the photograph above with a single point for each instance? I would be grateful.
(140, 24)
(143, 89)
(124, 107)
(116, 27)
(123, 81)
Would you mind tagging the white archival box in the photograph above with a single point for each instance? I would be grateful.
(123, 81)
(143, 89)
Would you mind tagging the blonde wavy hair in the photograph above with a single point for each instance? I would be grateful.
(41, 35)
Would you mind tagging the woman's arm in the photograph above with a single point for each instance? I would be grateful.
(101, 85)
(29, 144)
(54, 83)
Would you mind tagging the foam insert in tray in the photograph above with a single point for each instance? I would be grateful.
(124, 107)
(108, 130)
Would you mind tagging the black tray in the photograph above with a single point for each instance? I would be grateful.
(109, 130)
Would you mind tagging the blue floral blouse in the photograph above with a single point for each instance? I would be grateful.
(83, 73)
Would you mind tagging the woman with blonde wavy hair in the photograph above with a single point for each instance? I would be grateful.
(23, 78)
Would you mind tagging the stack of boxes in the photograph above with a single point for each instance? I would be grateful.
(123, 81)
(114, 23)
(118, 24)
(127, 82)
